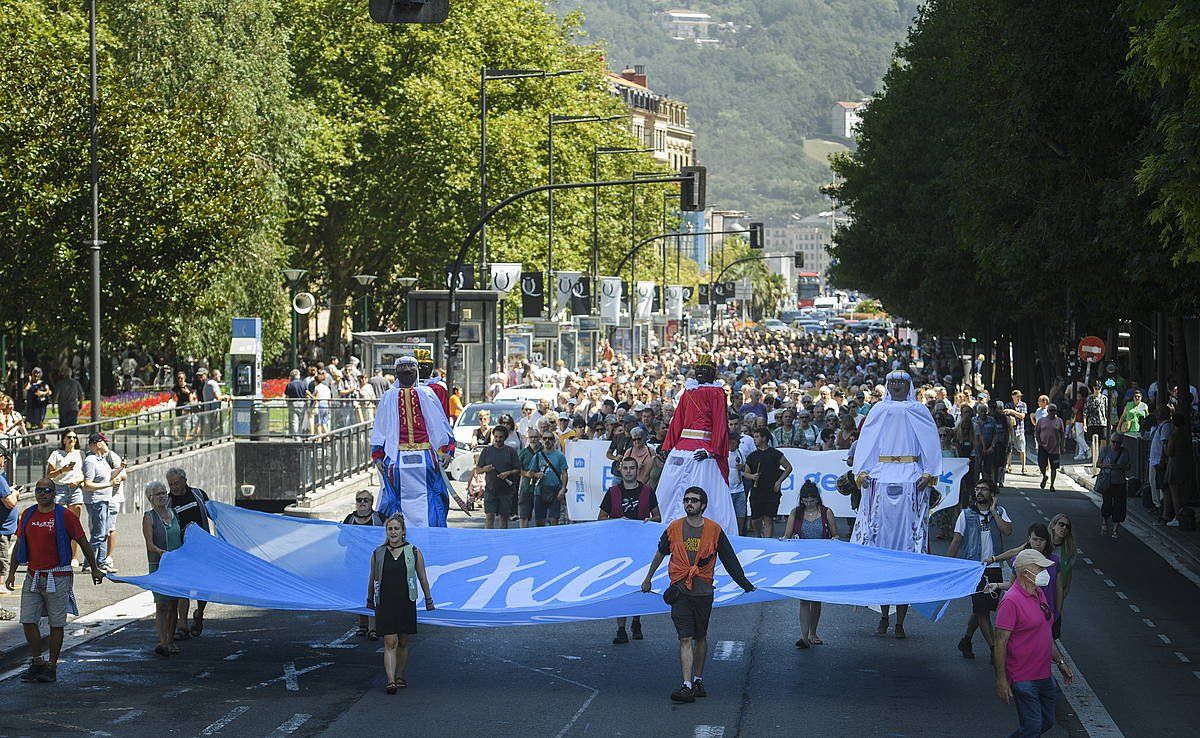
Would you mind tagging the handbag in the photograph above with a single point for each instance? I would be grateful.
(671, 594)
(1102, 483)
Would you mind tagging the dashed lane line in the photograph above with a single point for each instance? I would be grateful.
(1164, 639)
(709, 731)
(1135, 608)
(292, 724)
(1149, 623)
(127, 716)
(229, 717)
(1182, 658)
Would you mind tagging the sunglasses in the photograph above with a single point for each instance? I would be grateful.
(691, 499)
(362, 499)
(42, 489)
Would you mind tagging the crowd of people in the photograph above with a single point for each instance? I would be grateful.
(781, 391)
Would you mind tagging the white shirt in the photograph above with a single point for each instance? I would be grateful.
(985, 541)
(61, 458)
(321, 391)
(98, 470)
(1157, 440)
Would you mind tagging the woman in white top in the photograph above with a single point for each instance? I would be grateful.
(65, 468)
(12, 424)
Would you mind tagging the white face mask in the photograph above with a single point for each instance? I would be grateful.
(1042, 579)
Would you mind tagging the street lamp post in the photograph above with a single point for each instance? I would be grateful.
(365, 280)
(597, 150)
(486, 75)
(293, 277)
(406, 283)
(95, 243)
(558, 120)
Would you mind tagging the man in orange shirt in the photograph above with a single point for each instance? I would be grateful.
(694, 543)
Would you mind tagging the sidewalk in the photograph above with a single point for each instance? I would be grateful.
(1179, 547)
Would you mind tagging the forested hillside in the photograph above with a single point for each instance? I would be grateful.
(770, 83)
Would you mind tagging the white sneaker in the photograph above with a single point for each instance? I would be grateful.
(109, 565)
(1174, 523)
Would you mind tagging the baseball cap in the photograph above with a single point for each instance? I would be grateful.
(1031, 557)
(96, 438)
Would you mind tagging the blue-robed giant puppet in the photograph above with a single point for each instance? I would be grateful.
(410, 444)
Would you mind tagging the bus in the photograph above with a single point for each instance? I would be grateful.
(808, 286)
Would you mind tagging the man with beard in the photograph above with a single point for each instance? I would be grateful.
(410, 443)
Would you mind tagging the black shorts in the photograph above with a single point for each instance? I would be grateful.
(1097, 431)
(690, 614)
(764, 504)
(498, 504)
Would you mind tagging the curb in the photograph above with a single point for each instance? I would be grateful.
(1184, 557)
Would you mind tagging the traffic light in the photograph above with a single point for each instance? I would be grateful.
(798, 259)
(691, 190)
(756, 236)
(409, 11)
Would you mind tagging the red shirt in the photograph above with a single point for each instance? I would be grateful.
(43, 546)
(1030, 645)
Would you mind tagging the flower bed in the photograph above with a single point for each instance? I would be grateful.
(273, 388)
(126, 403)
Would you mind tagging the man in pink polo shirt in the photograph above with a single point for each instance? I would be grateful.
(1025, 647)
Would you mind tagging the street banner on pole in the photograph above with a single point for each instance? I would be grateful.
(533, 296)
(466, 276)
(505, 277)
(645, 300)
(581, 297)
(610, 300)
(675, 301)
(564, 286)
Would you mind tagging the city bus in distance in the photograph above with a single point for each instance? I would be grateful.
(808, 286)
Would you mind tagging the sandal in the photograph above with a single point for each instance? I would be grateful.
(390, 687)
(816, 641)
(7, 614)
(401, 682)
(197, 625)
(372, 635)
(882, 628)
(802, 643)
(162, 651)
(360, 633)
(182, 634)
(173, 649)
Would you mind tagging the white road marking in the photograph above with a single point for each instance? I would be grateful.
(204, 675)
(294, 722)
(1149, 623)
(1164, 639)
(1196, 674)
(1087, 561)
(290, 676)
(229, 717)
(709, 731)
(1088, 707)
(102, 622)
(339, 642)
(175, 692)
(1182, 658)
(1122, 595)
(1098, 572)
(235, 655)
(126, 717)
(728, 651)
(1110, 582)
(595, 692)
(1135, 608)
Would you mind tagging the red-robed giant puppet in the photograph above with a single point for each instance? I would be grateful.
(696, 450)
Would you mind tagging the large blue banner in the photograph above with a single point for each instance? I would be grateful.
(524, 577)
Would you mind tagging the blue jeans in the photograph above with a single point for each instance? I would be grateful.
(98, 528)
(1035, 707)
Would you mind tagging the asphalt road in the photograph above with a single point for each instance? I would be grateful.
(276, 673)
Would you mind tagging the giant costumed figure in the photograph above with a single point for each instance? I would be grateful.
(695, 452)
(897, 459)
(437, 384)
(410, 444)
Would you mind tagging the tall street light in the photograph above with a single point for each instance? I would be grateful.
(559, 120)
(486, 75)
(95, 243)
(293, 277)
(597, 151)
(406, 284)
(364, 281)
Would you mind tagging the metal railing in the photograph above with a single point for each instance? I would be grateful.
(136, 438)
(334, 456)
(300, 418)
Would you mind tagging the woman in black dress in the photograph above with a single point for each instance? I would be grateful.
(396, 569)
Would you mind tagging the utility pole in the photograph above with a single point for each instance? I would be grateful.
(95, 243)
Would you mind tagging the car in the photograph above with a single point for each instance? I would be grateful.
(468, 421)
(791, 316)
(775, 326)
(521, 394)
